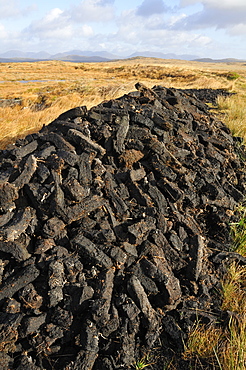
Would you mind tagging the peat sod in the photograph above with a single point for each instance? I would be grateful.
(115, 232)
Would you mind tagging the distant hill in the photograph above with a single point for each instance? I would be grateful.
(78, 56)
(226, 60)
(17, 54)
(85, 53)
(86, 56)
(19, 60)
(81, 59)
(150, 54)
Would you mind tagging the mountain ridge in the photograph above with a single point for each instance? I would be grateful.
(85, 56)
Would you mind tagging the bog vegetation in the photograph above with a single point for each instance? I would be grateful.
(38, 92)
(34, 94)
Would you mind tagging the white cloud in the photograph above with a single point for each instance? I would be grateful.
(12, 9)
(86, 30)
(149, 7)
(55, 24)
(152, 25)
(56, 31)
(239, 29)
(53, 15)
(9, 9)
(187, 2)
(217, 4)
(3, 32)
(177, 18)
(135, 34)
(104, 2)
(224, 14)
(59, 33)
(225, 4)
(93, 11)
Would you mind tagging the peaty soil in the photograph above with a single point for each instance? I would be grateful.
(115, 232)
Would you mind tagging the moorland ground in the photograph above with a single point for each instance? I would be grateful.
(46, 89)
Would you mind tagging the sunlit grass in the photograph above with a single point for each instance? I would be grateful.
(224, 348)
(19, 121)
(233, 354)
(202, 342)
(234, 113)
(144, 362)
(64, 85)
(238, 231)
(234, 293)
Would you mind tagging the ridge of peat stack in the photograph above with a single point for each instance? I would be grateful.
(114, 231)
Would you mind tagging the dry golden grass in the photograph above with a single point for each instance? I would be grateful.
(234, 290)
(234, 113)
(224, 349)
(202, 341)
(59, 86)
(238, 230)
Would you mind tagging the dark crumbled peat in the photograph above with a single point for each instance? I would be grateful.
(114, 231)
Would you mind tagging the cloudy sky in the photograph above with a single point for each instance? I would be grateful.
(207, 28)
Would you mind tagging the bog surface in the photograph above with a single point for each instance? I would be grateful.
(114, 231)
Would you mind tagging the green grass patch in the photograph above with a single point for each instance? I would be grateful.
(144, 362)
(232, 76)
(238, 231)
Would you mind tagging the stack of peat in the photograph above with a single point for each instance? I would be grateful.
(114, 231)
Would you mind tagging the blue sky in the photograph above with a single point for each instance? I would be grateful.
(208, 28)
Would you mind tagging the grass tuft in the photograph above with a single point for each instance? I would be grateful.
(233, 113)
(143, 362)
(238, 231)
(232, 76)
(233, 354)
(224, 348)
(234, 290)
(202, 342)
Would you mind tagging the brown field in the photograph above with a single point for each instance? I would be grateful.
(47, 89)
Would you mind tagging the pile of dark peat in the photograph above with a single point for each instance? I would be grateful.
(114, 232)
